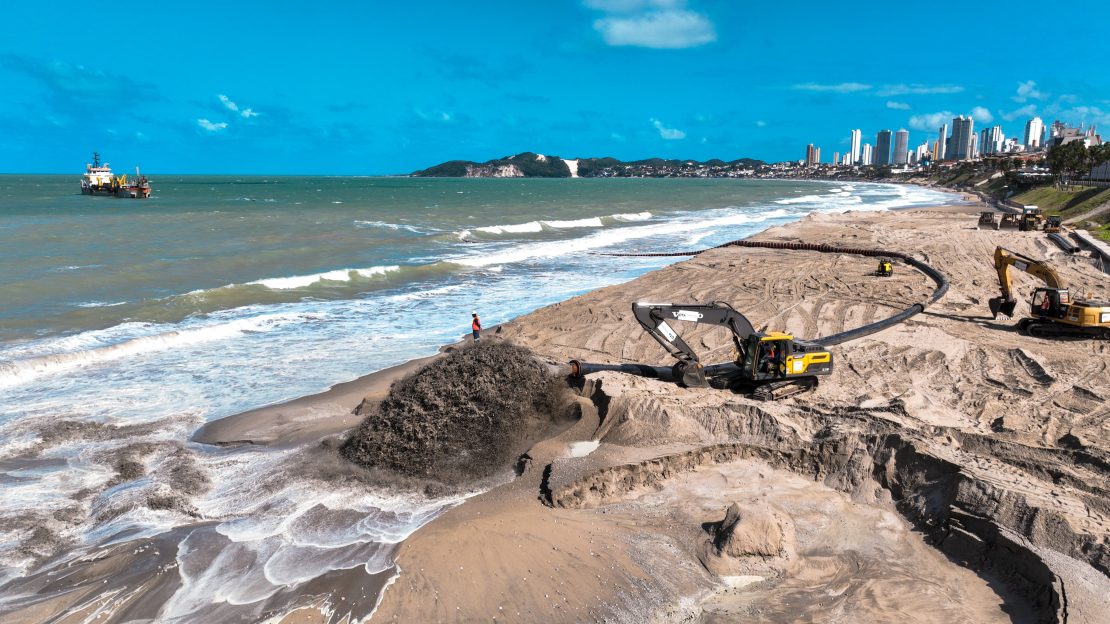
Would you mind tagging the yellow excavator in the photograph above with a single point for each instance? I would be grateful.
(1052, 310)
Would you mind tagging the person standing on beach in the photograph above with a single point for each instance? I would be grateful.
(476, 326)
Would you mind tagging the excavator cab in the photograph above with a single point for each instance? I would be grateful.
(766, 355)
(1050, 302)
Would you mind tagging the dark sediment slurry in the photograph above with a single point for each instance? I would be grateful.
(462, 417)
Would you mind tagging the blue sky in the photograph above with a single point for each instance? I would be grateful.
(376, 87)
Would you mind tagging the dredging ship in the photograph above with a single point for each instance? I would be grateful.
(98, 180)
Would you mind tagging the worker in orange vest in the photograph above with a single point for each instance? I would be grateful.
(476, 326)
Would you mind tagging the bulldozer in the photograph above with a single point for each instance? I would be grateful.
(1053, 224)
(988, 219)
(886, 268)
(1030, 219)
(1052, 310)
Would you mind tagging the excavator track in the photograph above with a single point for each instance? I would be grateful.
(1059, 330)
(776, 390)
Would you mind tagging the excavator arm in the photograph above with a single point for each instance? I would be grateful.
(655, 319)
(1003, 260)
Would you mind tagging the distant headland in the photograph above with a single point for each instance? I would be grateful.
(532, 165)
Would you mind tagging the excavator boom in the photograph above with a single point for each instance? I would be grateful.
(653, 318)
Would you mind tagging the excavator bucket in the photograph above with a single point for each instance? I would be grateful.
(689, 375)
(1000, 305)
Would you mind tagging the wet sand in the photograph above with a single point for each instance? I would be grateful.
(306, 419)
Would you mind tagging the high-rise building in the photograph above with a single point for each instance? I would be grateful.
(865, 157)
(974, 146)
(922, 152)
(942, 140)
(836, 159)
(1034, 133)
(963, 139)
(856, 136)
(882, 148)
(813, 155)
(992, 141)
(901, 147)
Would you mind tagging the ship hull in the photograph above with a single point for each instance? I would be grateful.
(133, 193)
(86, 190)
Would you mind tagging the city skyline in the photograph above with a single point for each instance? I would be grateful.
(891, 146)
(367, 89)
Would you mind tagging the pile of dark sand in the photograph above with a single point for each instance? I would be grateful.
(462, 417)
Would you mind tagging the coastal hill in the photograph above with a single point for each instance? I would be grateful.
(532, 165)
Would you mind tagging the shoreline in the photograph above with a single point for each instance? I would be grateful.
(331, 412)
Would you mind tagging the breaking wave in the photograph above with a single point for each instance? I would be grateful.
(535, 227)
(338, 275)
(24, 370)
(607, 238)
(393, 226)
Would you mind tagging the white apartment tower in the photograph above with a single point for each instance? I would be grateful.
(1034, 132)
(854, 154)
(865, 157)
(942, 141)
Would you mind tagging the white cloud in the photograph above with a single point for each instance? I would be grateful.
(659, 29)
(760, 123)
(670, 134)
(1086, 115)
(245, 113)
(843, 87)
(231, 106)
(918, 89)
(211, 127)
(981, 115)
(1028, 90)
(1025, 111)
(930, 121)
(898, 105)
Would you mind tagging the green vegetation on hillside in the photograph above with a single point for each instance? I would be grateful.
(532, 167)
(1103, 232)
(1070, 202)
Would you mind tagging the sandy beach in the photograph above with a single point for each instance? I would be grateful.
(950, 469)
